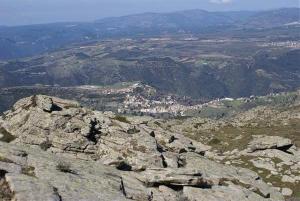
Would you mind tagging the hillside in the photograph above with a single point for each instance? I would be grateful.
(24, 41)
(202, 68)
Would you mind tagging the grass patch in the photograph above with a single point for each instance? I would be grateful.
(121, 119)
(214, 141)
(228, 134)
(28, 170)
(45, 145)
(5, 160)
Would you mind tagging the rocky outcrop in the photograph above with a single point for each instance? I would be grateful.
(261, 142)
(230, 193)
(63, 126)
(35, 175)
(65, 152)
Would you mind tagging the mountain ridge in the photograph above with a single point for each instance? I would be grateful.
(45, 37)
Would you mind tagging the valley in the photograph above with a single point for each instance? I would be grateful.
(185, 66)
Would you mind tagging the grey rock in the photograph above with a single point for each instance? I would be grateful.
(230, 193)
(69, 179)
(286, 192)
(88, 134)
(264, 164)
(43, 102)
(288, 179)
(261, 142)
(176, 177)
(226, 173)
(10, 167)
(168, 193)
(171, 159)
(29, 188)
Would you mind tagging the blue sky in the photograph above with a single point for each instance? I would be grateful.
(19, 12)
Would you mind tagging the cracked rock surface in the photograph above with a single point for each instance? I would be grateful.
(61, 151)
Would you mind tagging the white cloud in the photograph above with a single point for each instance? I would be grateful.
(221, 1)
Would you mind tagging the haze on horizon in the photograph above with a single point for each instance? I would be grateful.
(24, 12)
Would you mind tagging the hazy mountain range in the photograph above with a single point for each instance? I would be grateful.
(23, 41)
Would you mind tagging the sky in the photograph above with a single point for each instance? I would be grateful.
(23, 12)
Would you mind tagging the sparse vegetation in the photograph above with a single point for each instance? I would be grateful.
(28, 170)
(5, 160)
(214, 141)
(45, 145)
(65, 167)
(267, 176)
(121, 119)
(133, 130)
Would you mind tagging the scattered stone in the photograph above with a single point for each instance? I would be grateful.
(288, 179)
(264, 164)
(286, 192)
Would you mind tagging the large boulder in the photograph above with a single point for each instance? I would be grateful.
(261, 142)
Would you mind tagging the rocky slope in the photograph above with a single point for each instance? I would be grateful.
(55, 149)
(264, 138)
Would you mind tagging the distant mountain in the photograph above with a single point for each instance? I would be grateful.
(185, 21)
(273, 18)
(23, 41)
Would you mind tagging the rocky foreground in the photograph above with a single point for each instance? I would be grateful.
(54, 149)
